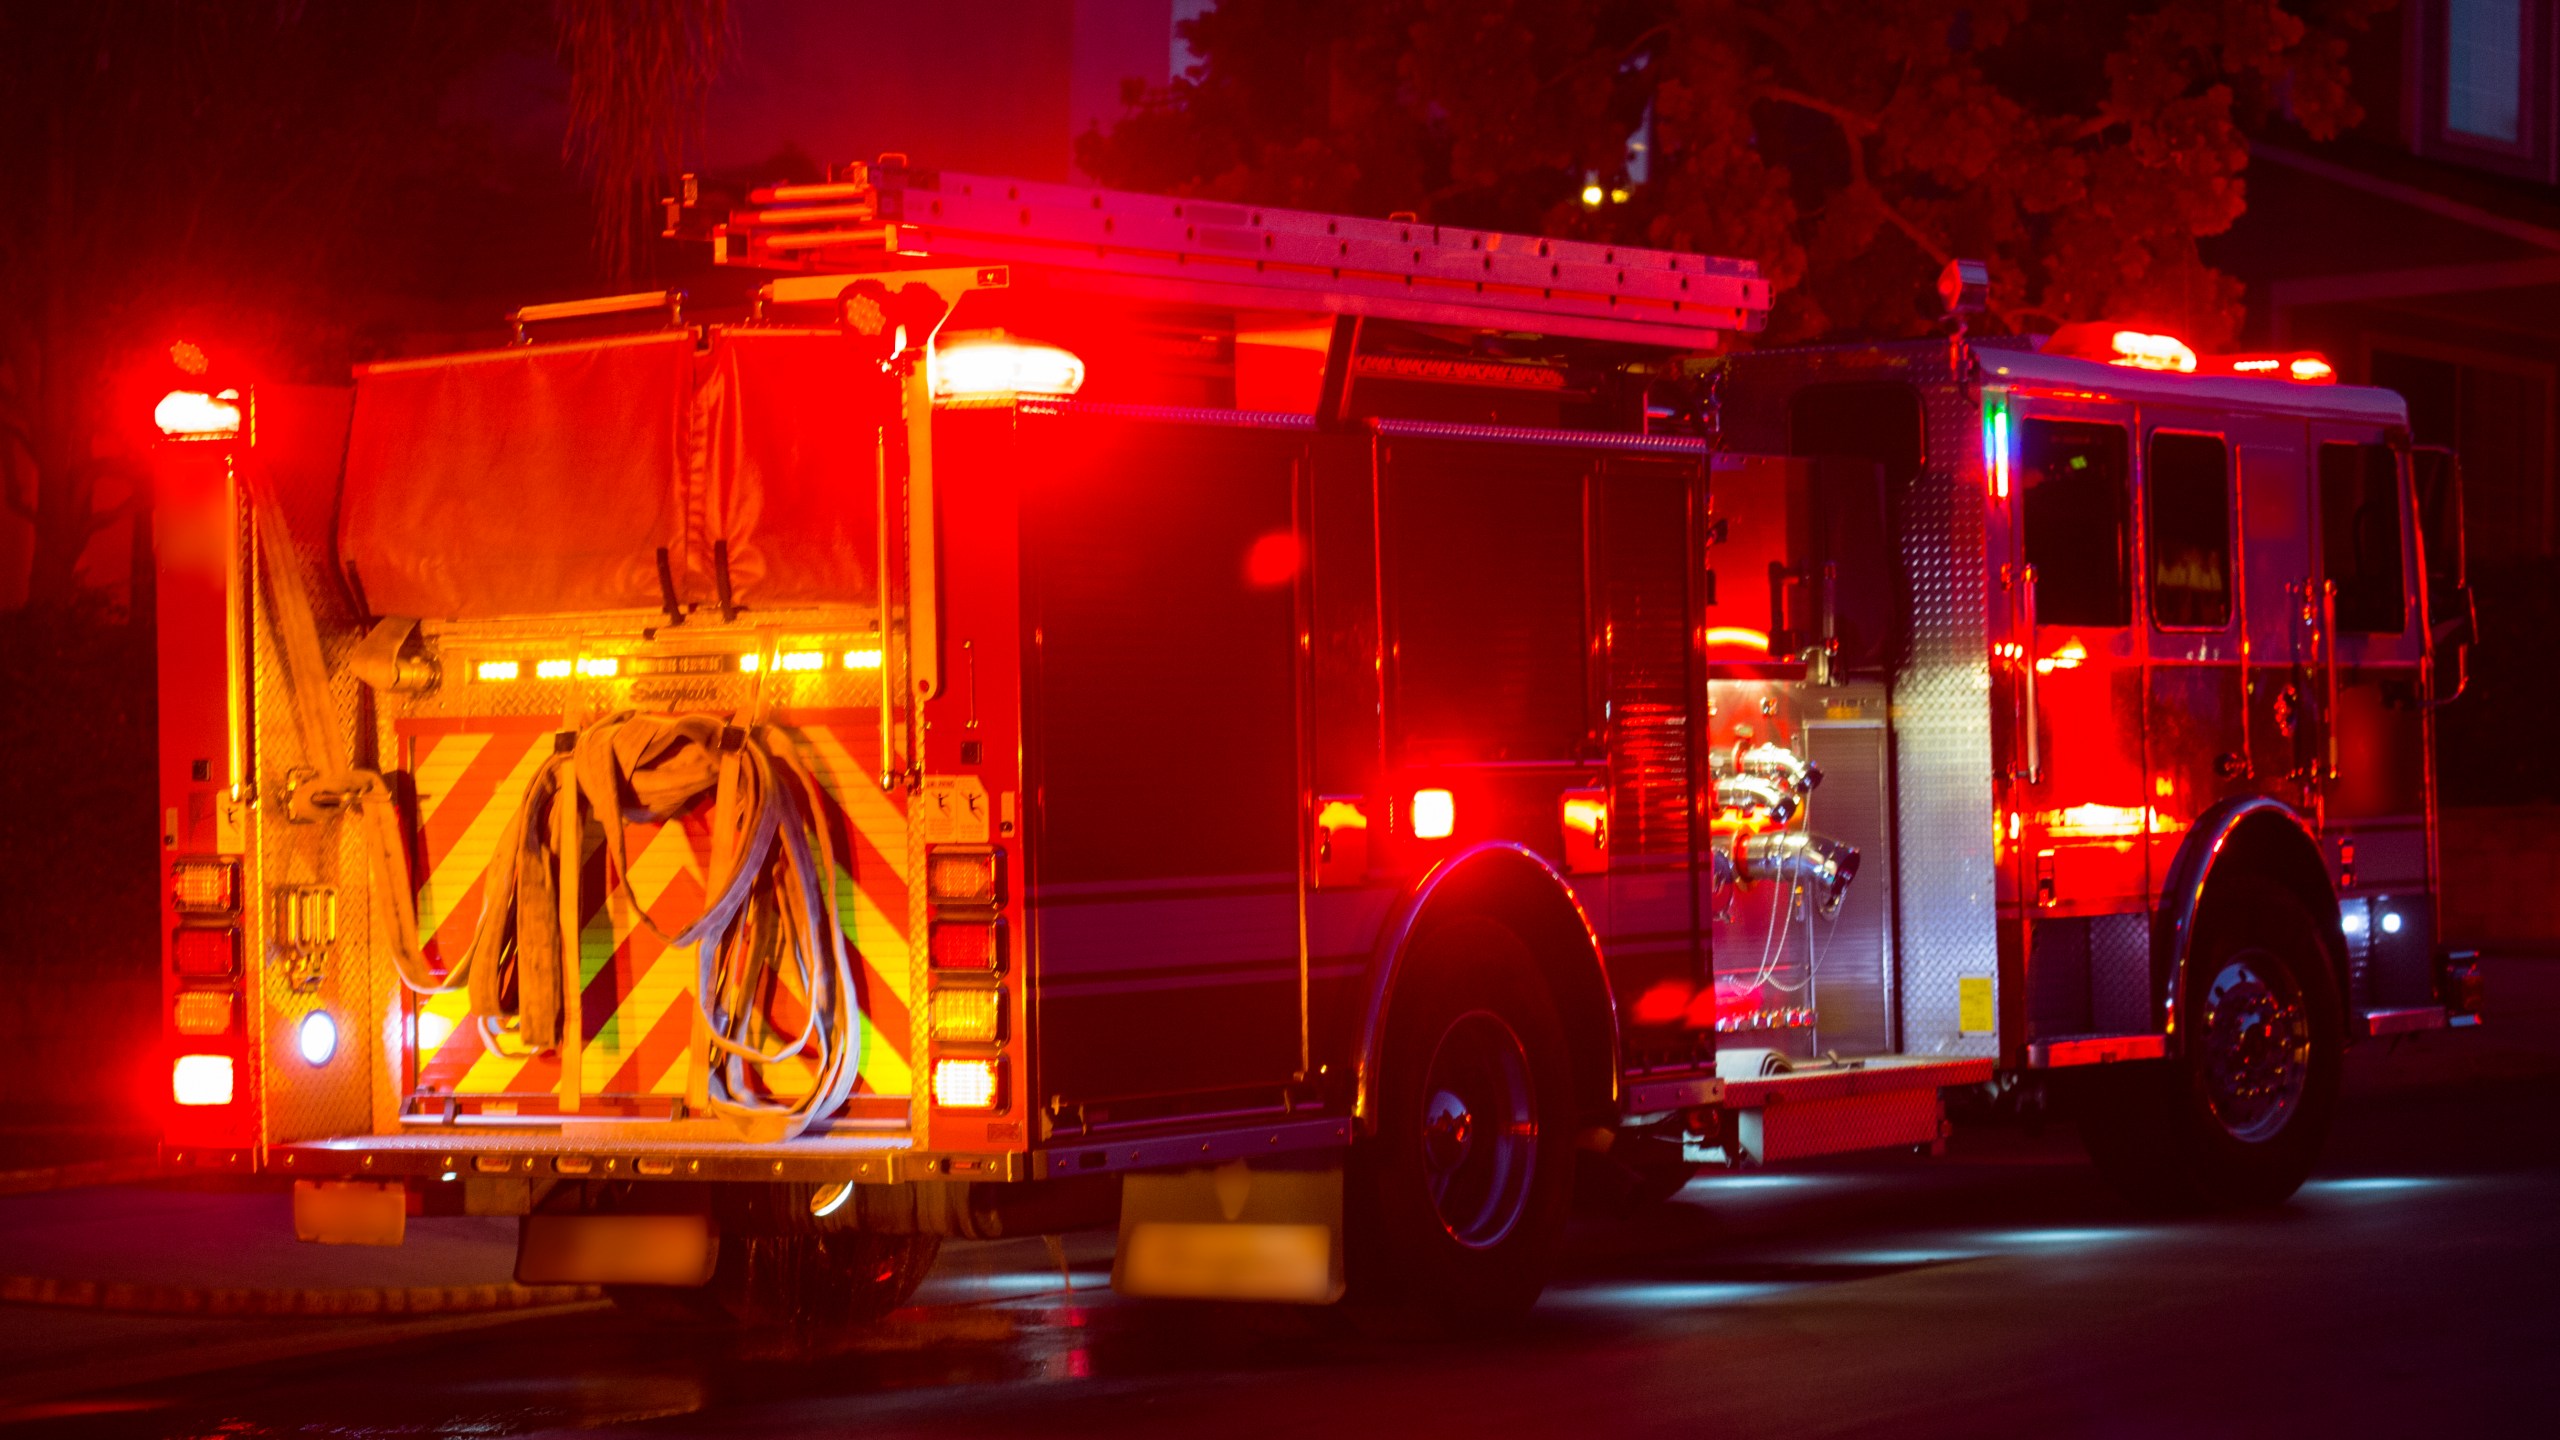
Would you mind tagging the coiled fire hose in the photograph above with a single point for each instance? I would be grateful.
(772, 898)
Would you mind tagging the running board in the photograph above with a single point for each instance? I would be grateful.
(1874, 1105)
(2063, 1051)
(2408, 1020)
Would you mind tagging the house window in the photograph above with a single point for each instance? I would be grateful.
(2484, 70)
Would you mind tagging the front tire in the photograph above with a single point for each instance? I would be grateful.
(1458, 1204)
(2237, 1119)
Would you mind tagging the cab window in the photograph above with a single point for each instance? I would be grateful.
(2075, 512)
(2360, 536)
(2188, 497)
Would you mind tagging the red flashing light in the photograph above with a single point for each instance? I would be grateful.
(997, 370)
(195, 415)
(2303, 368)
(1272, 560)
(2115, 345)
(1435, 815)
(189, 357)
(2145, 351)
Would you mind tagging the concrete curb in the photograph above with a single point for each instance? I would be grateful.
(134, 1299)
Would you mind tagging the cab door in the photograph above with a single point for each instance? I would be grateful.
(2280, 617)
(2374, 756)
(2197, 731)
(2080, 794)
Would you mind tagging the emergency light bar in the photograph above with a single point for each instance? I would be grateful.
(2142, 350)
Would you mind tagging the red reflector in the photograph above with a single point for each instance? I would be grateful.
(201, 1080)
(206, 885)
(206, 954)
(967, 944)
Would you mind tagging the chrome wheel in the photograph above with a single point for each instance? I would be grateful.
(1479, 1129)
(2256, 1038)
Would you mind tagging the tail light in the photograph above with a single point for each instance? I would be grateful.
(968, 1015)
(967, 944)
(967, 873)
(202, 1080)
(205, 954)
(966, 1083)
(204, 1012)
(205, 884)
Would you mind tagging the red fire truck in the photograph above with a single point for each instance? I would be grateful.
(1307, 739)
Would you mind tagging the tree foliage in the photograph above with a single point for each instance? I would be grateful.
(287, 184)
(2083, 147)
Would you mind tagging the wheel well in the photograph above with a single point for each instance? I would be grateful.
(2266, 839)
(1514, 887)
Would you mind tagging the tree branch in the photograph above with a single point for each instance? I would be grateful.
(1857, 125)
(1854, 130)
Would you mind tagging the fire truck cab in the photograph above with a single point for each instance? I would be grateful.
(1305, 739)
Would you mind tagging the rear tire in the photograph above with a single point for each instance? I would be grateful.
(2238, 1118)
(1457, 1207)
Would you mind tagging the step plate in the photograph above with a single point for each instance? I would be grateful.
(1876, 1107)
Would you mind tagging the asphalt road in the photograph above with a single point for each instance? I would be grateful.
(2409, 1289)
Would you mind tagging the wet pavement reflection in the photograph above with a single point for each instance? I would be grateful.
(2001, 1288)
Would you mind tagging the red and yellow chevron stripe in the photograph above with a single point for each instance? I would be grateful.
(637, 991)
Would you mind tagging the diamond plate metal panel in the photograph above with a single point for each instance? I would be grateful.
(2120, 996)
(1947, 926)
(297, 1099)
(1798, 1129)
(1853, 952)
(2058, 977)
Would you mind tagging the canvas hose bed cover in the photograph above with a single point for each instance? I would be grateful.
(548, 479)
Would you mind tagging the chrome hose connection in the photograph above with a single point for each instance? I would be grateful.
(1823, 866)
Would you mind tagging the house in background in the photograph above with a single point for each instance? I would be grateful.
(2422, 253)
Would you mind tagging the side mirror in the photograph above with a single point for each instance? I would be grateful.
(2435, 476)
(2456, 629)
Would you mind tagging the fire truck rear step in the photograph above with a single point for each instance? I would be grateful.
(1868, 1105)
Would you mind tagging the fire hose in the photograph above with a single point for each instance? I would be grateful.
(772, 903)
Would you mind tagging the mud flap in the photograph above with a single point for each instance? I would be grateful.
(1231, 1233)
(350, 1212)
(615, 1250)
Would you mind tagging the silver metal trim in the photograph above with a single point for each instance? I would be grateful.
(2067, 1051)
(2404, 1021)
(1211, 1147)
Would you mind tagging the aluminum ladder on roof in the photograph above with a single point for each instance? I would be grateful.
(1207, 252)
